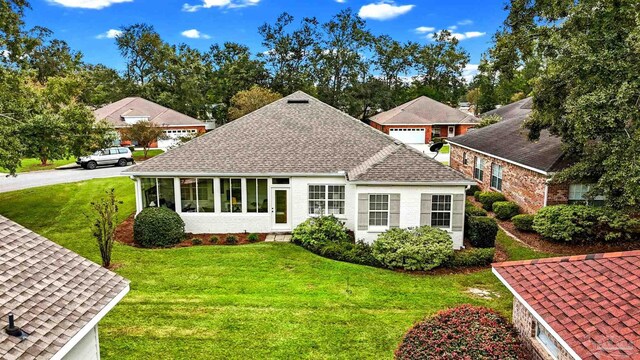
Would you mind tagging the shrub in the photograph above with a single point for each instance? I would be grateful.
(356, 253)
(472, 190)
(482, 231)
(422, 248)
(253, 237)
(316, 232)
(523, 222)
(476, 195)
(487, 198)
(231, 240)
(196, 241)
(505, 210)
(464, 332)
(158, 227)
(471, 257)
(214, 239)
(471, 210)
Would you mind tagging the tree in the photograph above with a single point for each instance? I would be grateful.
(105, 224)
(139, 44)
(102, 85)
(42, 137)
(247, 101)
(488, 120)
(53, 58)
(144, 133)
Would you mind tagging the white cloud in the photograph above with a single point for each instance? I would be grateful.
(110, 34)
(88, 4)
(383, 10)
(465, 22)
(424, 29)
(194, 34)
(453, 27)
(469, 72)
(341, 1)
(222, 4)
(461, 36)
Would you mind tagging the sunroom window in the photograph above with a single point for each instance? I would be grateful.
(196, 195)
(257, 199)
(158, 192)
(231, 195)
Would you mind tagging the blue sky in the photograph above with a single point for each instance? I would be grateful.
(89, 25)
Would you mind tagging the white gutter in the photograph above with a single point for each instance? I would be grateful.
(403, 183)
(546, 193)
(441, 124)
(90, 325)
(537, 316)
(503, 159)
(209, 174)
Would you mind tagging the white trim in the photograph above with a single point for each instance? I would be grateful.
(503, 159)
(90, 325)
(536, 316)
(546, 194)
(416, 183)
(248, 175)
(430, 124)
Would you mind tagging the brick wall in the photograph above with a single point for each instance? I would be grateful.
(523, 186)
(525, 325)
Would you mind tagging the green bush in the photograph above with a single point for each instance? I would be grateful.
(482, 231)
(523, 222)
(471, 257)
(472, 190)
(487, 198)
(471, 210)
(316, 232)
(196, 241)
(476, 195)
(356, 253)
(253, 237)
(214, 239)
(422, 248)
(158, 227)
(231, 240)
(505, 210)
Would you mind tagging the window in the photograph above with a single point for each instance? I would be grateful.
(257, 200)
(578, 195)
(378, 211)
(496, 177)
(231, 195)
(326, 200)
(280, 181)
(196, 195)
(158, 192)
(478, 168)
(464, 159)
(545, 338)
(441, 211)
(122, 151)
(435, 131)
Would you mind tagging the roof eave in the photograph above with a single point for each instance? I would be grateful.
(220, 174)
(539, 171)
(408, 183)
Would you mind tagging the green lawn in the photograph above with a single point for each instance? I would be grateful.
(445, 149)
(139, 154)
(253, 301)
(32, 164)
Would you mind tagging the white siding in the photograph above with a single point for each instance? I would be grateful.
(87, 349)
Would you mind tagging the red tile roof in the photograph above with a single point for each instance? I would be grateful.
(591, 301)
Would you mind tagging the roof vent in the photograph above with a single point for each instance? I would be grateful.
(298, 101)
(13, 330)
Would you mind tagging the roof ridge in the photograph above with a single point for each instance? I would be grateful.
(372, 161)
(571, 258)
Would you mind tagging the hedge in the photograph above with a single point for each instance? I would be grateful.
(422, 248)
(158, 227)
(471, 210)
(472, 190)
(471, 257)
(487, 198)
(505, 210)
(482, 231)
(464, 332)
(523, 222)
(476, 195)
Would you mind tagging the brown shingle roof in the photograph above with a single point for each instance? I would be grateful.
(52, 292)
(297, 138)
(137, 106)
(591, 301)
(423, 111)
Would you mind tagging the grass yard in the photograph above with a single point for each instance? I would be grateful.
(259, 301)
(32, 164)
(139, 154)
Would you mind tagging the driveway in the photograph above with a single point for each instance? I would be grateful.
(424, 148)
(51, 177)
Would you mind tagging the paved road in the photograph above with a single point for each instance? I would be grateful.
(50, 177)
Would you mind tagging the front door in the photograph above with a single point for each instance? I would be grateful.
(280, 210)
(452, 131)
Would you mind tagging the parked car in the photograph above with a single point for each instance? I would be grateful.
(118, 156)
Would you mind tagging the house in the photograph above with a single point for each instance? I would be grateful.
(421, 120)
(297, 157)
(501, 158)
(579, 307)
(127, 111)
(56, 298)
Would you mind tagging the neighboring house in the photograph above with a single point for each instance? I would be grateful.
(297, 157)
(127, 111)
(579, 307)
(57, 298)
(421, 120)
(501, 158)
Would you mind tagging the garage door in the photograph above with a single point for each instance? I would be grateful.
(408, 135)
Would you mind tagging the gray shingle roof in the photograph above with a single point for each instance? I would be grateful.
(52, 292)
(295, 138)
(423, 111)
(137, 106)
(507, 139)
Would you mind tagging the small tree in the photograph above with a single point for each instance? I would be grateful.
(104, 227)
(247, 101)
(488, 120)
(144, 133)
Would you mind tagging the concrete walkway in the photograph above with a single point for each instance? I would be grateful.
(52, 177)
(278, 238)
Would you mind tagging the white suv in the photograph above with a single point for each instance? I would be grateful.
(118, 156)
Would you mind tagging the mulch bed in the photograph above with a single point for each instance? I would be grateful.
(124, 235)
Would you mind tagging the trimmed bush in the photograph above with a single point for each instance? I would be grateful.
(231, 240)
(196, 241)
(482, 231)
(316, 232)
(422, 248)
(505, 210)
(253, 237)
(356, 253)
(476, 195)
(472, 190)
(471, 210)
(471, 257)
(523, 222)
(214, 239)
(158, 227)
(487, 198)
(464, 332)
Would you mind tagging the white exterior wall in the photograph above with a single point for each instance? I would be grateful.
(86, 349)
(410, 201)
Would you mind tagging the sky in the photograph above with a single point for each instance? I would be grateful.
(91, 25)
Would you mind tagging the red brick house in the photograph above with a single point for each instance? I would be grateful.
(127, 111)
(501, 158)
(579, 307)
(420, 120)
